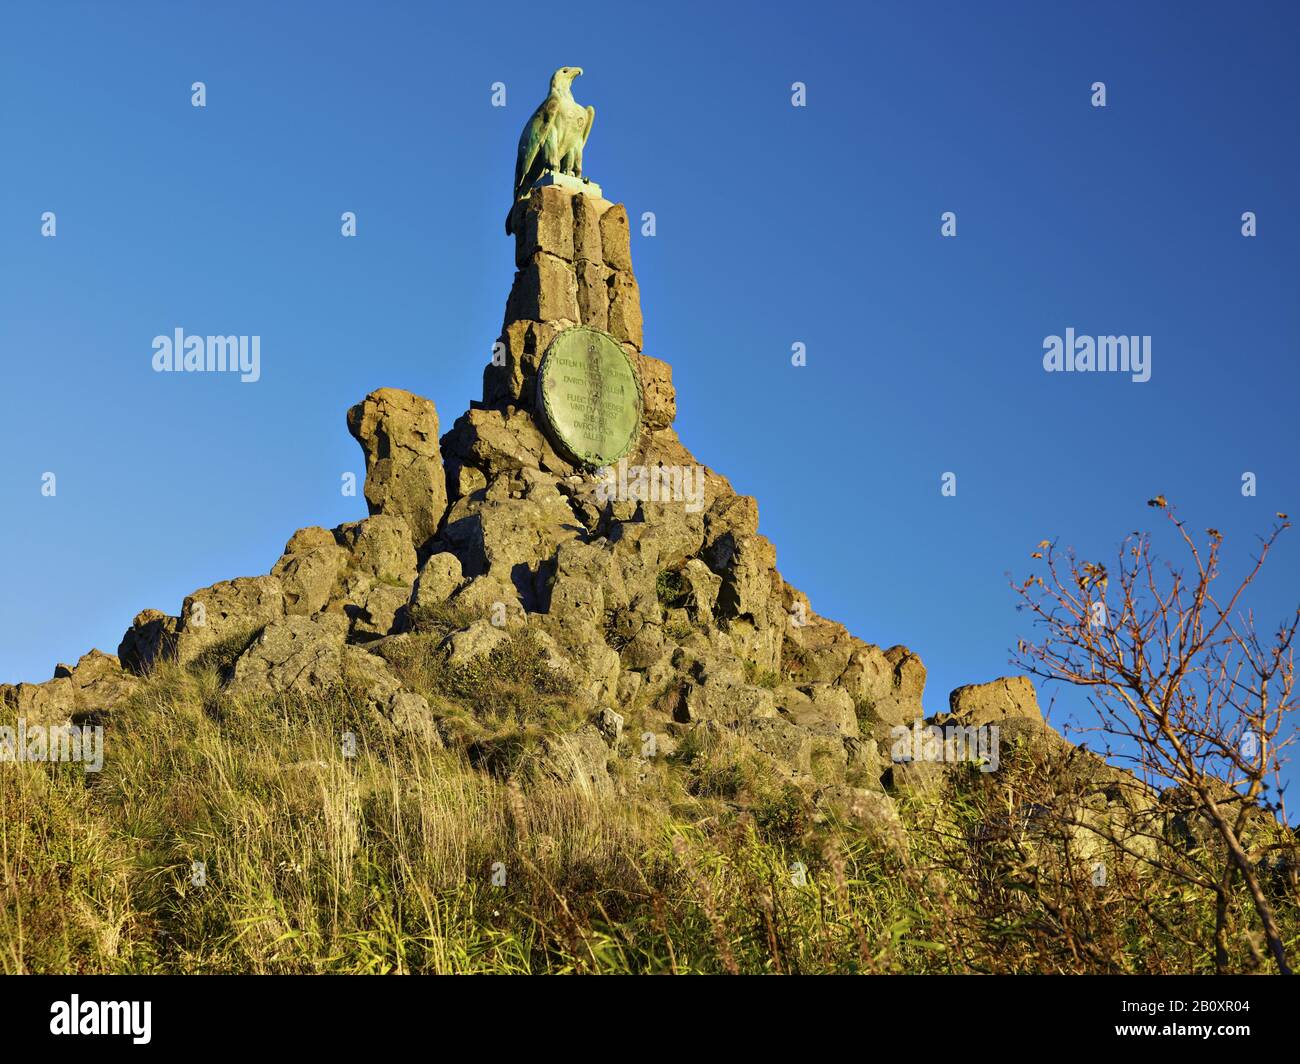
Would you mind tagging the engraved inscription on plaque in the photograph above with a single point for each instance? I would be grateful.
(590, 396)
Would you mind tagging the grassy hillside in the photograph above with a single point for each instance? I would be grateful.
(384, 861)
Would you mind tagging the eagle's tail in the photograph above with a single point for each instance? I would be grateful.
(509, 215)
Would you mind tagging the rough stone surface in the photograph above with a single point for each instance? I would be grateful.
(987, 703)
(298, 654)
(545, 224)
(476, 641)
(545, 289)
(309, 569)
(307, 656)
(398, 432)
(862, 808)
(610, 725)
(440, 577)
(581, 758)
(77, 694)
(374, 585)
(45, 704)
(786, 743)
(616, 239)
(593, 294)
(227, 610)
(660, 396)
(887, 686)
(587, 212)
(381, 548)
(624, 315)
(151, 638)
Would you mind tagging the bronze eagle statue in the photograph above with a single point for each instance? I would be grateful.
(553, 138)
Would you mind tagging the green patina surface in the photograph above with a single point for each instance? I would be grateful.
(553, 138)
(590, 395)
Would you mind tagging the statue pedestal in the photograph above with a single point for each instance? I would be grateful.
(569, 183)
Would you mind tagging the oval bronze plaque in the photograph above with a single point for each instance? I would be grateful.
(590, 396)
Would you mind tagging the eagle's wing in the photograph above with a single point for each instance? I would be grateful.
(591, 118)
(535, 134)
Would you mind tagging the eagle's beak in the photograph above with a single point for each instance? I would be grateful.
(577, 72)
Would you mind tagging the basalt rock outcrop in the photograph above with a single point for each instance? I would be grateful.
(398, 432)
(666, 609)
(77, 694)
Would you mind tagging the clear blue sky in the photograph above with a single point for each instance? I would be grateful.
(775, 225)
